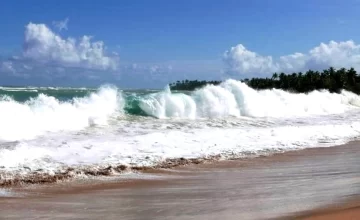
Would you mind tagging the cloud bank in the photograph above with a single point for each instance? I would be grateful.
(49, 57)
(239, 61)
(43, 45)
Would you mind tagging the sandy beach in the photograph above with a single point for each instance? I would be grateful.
(318, 183)
(343, 212)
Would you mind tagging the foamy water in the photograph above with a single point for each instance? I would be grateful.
(45, 113)
(6, 193)
(52, 130)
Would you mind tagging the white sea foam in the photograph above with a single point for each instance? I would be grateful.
(234, 98)
(111, 147)
(228, 119)
(165, 104)
(6, 193)
(47, 114)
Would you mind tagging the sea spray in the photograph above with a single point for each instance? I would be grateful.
(55, 130)
(165, 104)
(233, 99)
(25, 120)
(44, 112)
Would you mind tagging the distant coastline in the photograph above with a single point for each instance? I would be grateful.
(333, 80)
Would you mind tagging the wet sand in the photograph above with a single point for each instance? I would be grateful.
(305, 184)
(345, 210)
(330, 214)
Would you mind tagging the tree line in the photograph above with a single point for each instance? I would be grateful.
(333, 80)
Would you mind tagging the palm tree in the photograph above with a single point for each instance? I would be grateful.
(351, 77)
(331, 79)
(274, 76)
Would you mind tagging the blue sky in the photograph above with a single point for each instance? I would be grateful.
(151, 43)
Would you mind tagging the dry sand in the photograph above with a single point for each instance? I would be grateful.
(306, 184)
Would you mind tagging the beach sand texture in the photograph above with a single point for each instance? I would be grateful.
(292, 185)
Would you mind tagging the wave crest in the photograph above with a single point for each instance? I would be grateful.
(47, 114)
(234, 98)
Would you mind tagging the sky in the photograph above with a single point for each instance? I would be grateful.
(148, 44)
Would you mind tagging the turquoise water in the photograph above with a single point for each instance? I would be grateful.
(50, 129)
(24, 94)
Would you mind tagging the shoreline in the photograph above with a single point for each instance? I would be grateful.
(323, 179)
(70, 173)
(8, 179)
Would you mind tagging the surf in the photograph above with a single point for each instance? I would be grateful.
(28, 114)
(235, 99)
(54, 130)
(44, 113)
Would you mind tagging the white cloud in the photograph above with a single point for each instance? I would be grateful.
(27, 67)
(335, 54)
(134, 66)
(7, 67)
(156, 69)
(43, 45)
(149, 68)
(61, 25)
(243, 62)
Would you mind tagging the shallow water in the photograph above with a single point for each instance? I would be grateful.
(261, 188)
(47, 130)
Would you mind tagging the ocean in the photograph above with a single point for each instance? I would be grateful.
(51, 130)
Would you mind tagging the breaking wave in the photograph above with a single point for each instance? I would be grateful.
(54, 134)
(46, 113)
(25, 120)
(234, 98)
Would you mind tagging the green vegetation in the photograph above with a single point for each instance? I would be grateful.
(330, 79)
(191, 84)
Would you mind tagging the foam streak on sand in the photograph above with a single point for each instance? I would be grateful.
(60, 130)
(282, 185)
